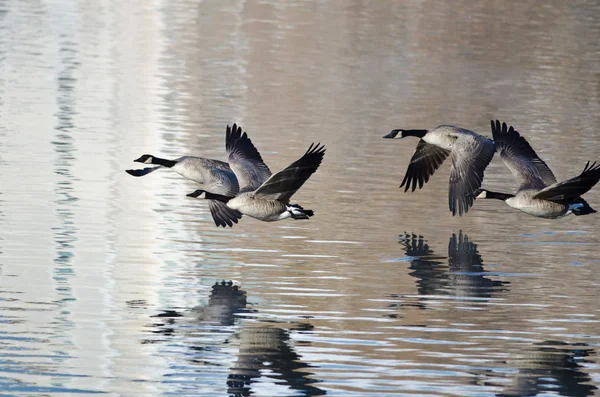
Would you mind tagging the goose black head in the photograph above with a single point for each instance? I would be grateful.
(400, 133)
(146, 159)
(196, 194)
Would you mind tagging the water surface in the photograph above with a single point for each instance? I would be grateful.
(123, 286)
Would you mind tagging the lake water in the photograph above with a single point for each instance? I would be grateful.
(120, 285)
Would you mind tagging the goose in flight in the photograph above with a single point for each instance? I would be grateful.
(470, 154)
(262, 196)
(215, 177)
(539, 194)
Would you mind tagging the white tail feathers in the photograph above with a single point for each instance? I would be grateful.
(297, 212)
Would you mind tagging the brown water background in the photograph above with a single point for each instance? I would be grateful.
(107, 281)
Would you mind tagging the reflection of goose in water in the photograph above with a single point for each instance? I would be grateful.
(260, 348)
(551, 366)
(224, 302)
(462, 276)
(269, 350)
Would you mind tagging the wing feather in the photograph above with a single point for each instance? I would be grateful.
(571, 189)
(528, 169)
(245, 160)
(470, 156)
(282, 185)
(425, 161)
(222, 214)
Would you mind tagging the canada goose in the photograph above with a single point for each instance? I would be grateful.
(216, 178)
(471, 153)
(539, 193)
(215, 174)
(261, 198)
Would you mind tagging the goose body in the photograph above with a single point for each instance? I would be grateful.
(470, 154)
(539, 194)
(263, 196)
(264, 210)
(215, 176)
(525, 201)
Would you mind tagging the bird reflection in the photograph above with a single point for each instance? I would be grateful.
(225, 301)
(554, 366)
(461, 274)
(268, 352)
(263, 351)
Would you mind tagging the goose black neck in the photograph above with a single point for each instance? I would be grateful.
(498, 195)
(163, 162)
(417, 133)
(218, 197)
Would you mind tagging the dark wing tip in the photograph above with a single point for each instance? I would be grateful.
(502, 131)
(223, 215)
(232, 134)
(315, 153)
(315, 148)
(591, 168)
(239, 145)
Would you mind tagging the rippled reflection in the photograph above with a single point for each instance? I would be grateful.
(552, 366)
(459, 274)
(106, 285)
(225, 300)
(268, 353)
(265, 355)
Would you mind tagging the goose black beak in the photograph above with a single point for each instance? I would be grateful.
(392, 134)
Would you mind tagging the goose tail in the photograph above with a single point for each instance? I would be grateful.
(297, 212)
(581, 207)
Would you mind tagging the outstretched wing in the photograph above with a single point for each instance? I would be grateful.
(284, 184)
(245, 160)
(528, 169)
(470, 156)
(222, 214)
(424, 162)
(571, 189)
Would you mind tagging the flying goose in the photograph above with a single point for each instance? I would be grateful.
(263, 196)
(216, 178)
(539, 193)
(470, 154)
(215, 174)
